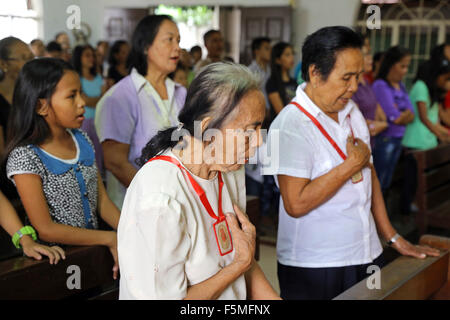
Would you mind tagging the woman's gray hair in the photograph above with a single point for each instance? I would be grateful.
(215, 92)
(225, 84)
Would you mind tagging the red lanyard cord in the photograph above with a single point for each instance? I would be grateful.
(198, 189)
(323, 131)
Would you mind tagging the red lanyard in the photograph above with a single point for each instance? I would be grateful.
(198, 189)
(322, 129)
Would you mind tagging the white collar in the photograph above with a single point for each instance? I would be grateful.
(140, 81)
(302, 98)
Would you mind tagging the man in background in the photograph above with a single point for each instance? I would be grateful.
(215, 45)
(38, 48)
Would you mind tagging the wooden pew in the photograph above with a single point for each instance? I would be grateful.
(408, 278)
(25, 278)
(433, 188)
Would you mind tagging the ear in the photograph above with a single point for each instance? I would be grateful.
(42, 107)
(205, 122)
(3, 65)
(314, 75)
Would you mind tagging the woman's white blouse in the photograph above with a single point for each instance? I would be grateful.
(165, 236)
(341, 231)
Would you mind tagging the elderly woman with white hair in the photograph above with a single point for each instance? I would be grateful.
(179, 236)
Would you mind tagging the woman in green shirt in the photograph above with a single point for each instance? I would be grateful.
(425, 131)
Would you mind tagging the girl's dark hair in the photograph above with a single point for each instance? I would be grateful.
(428, 72)
(321, 48)
(76, 59)
(115, 49)
(390, 58)
(143, 37)
(377, 57)
(37, 80)
(277, 51)
(215, 92)
(437, 54)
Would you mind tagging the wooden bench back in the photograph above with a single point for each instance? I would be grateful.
(434, 176)
(24, 278)
(433, 188)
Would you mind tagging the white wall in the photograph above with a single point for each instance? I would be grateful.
(307, 15)
(54, 14)
(54, 17)
(310, 15)
(244, 3)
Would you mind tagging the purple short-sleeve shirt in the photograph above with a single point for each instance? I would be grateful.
(131, 112)
(394, 102)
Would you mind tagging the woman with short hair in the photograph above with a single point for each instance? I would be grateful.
(331, 203)
(178, 235)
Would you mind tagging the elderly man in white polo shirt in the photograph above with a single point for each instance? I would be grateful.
(331, 202)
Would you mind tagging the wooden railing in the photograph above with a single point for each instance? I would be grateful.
(433, 188)
(24, 278)
(408, 278)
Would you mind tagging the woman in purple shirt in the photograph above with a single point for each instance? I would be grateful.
(141, 104)
(367, 103)
(393, 98)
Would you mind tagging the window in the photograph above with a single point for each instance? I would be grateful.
(416, 25)
(18, 19)
(192, 22)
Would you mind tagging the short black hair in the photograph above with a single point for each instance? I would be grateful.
(5, 46)
(60, 34)
(320, 49)
(100, 42)
(195, 48)
(54, 46)
(143, 37)
(391, 57)
(208, 34)
(34, 41)
(257, 43)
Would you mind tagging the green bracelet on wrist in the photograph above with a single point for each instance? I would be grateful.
(27, 230)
